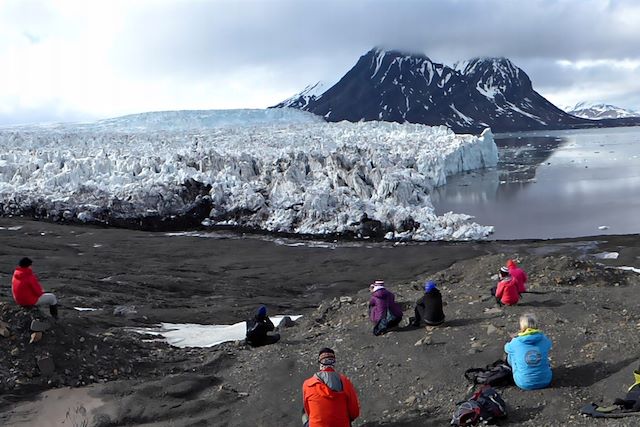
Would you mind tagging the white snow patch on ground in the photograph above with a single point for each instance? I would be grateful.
(635, 270)
(13, 228)
(84, 309)
(607, 255)
(288, 174)
(196, 335)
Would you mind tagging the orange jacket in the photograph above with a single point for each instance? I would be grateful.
(328, 408)
(25, 287)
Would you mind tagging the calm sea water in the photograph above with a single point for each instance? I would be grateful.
(554, 184)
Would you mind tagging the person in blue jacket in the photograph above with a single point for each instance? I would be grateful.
(528, 355)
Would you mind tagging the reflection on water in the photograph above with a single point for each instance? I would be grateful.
(554, 184)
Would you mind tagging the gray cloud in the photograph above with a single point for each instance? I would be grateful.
(297, 42)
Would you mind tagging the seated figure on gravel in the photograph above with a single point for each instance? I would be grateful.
(528, 355)
(384, 311)
(329, 398)
(506, 292)
(27, 290)
(258, 328)
(428, 310)
(518, 275)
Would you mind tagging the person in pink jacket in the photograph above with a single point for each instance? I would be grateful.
(518, 275)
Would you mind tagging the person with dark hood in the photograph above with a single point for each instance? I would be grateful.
(258, 328)
(27, 290)
(329, 398)
(384, 311)
(428, 310)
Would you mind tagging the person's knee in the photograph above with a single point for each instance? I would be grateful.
(47, 299)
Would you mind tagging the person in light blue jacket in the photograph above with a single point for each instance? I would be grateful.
(528, 355)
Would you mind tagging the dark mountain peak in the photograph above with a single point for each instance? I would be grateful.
(398, 86)
(492, 75)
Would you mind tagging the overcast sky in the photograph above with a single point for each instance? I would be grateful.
(80, 60)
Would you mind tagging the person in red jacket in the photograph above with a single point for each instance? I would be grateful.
(27, 291)
(507, 290)
(518, 275)
(329, 398)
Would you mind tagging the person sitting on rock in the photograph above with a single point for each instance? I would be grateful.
(528, 355)
(27, 290)
(428, 309)
(518, 275)
(258, 328)
(506, 292)
(384, 311)
(329, 398)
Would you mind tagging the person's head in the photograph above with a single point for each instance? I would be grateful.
(504, 272)
(25, 262)
(261, 313)
(528, 321)
(511, 264)
(326, 357)
(429, 286)
(376, 286)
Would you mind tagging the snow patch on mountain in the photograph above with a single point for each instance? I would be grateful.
(312, 178)
(595, 110)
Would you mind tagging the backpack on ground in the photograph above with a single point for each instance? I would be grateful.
(485, 406)
(497, 374)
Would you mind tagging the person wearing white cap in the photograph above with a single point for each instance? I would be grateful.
(384, 311)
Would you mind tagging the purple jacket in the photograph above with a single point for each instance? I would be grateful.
(380, 301)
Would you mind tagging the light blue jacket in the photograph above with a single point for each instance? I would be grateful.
(528, 355)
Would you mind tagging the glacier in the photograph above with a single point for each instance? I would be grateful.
(282, 171)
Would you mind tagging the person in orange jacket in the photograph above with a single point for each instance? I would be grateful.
(27, 290)
(518, 275)
(507, 290)
(329, 398)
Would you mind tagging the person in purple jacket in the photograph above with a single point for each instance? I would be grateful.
(384, 311)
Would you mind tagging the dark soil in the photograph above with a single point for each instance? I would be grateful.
(120, 378)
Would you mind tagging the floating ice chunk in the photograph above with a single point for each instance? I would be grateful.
(607, 255)
(603, 227)
(196, 335)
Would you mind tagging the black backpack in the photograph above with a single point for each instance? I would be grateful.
(497, 374)
(485, 406)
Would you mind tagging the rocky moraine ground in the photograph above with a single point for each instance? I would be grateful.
(90, 369)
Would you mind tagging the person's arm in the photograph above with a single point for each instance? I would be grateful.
(268, 324)
(305, 404)
(500, 290)
(35, 285)
(353, 406)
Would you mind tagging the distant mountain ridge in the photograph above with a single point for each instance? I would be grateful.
(597, 111)
(390, 85)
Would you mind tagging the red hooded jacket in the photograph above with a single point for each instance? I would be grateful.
(518, 275)
(25, 286)
(507, 291)
(328, 408)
